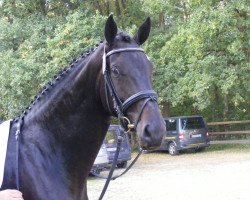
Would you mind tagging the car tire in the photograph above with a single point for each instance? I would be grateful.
(197, 150)
(122, 164)
(94, 172)
(172, 149)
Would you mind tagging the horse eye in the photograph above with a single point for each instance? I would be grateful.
(115, 71)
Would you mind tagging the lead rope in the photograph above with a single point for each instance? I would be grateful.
(110, 175)
(125, 171)
(119, 141)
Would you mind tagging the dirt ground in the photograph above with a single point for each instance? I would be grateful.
(216, 175)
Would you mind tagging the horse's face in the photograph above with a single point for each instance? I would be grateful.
(130, 72)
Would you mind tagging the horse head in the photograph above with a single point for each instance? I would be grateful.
(128, 88)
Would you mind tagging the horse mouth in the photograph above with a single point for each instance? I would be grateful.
(149, 146)
(150, 143)
(149, 149)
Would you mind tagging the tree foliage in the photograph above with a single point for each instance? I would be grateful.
(203, 62)
(200, 48)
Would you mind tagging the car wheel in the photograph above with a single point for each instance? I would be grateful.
(199, 149)
(122, 164)
(172, 149)
(95, 172)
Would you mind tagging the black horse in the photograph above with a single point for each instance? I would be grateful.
(63, 128)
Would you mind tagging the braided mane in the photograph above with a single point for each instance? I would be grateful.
(62, 73)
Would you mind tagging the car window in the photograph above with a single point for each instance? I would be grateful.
(192, 123)
(171, 125)
(110, 138)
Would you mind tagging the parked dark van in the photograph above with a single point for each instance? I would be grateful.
(111, 143)
(185, 132)
(107, 151)
(101, 161)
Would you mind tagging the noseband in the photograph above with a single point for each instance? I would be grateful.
(119, 106)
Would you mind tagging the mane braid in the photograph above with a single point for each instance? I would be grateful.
(60, 75)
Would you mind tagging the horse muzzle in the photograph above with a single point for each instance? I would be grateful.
(150, 135)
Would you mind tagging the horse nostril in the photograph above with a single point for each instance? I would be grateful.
(147, 133)
(151, 137)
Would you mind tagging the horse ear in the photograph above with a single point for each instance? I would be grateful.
(143, 32)
(110, 29)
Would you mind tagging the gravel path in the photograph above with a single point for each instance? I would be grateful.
(190, 176)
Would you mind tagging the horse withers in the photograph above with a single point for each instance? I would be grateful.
(53, 143)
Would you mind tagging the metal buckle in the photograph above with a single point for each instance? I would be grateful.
(130, 126)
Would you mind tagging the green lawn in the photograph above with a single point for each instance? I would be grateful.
(229, 147)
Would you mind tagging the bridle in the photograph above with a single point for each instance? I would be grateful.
(120, 109)
(119, 106)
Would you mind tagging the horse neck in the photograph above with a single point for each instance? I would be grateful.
(72, 105)
(66, 127)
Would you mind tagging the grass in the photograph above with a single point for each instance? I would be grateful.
(229, 147)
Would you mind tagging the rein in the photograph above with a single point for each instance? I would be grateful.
(110, 175)
(120, 110)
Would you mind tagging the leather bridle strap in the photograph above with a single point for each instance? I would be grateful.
(123, 50)
(145, 94)
(17, 134)
(110, 175)
(120, 107)
(126, 170)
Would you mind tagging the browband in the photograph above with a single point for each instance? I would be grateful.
(122, 50)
